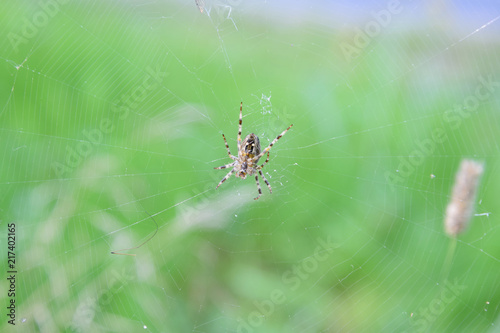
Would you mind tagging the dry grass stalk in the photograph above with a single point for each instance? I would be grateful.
(461, 206)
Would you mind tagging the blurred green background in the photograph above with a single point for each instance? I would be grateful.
(112, 111)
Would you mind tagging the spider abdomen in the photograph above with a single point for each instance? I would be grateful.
(251, 145)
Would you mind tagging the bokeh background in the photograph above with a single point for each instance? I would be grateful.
(111, 114)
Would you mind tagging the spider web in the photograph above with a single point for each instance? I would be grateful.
(111, 121)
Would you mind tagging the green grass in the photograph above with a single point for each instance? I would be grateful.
(148, 145)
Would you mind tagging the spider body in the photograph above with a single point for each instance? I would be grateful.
(251, 147)
(249, 154)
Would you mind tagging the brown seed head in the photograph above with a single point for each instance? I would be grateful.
(461, 206)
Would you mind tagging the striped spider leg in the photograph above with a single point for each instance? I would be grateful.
(249, 153)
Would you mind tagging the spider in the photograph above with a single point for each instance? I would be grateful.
(249, 153)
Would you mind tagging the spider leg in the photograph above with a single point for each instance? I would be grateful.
(272, 143)
(258, 187)
(227, 147)
(225, 178)
(265, 180)
(267, 160)
(239, 127)
(225, 166)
